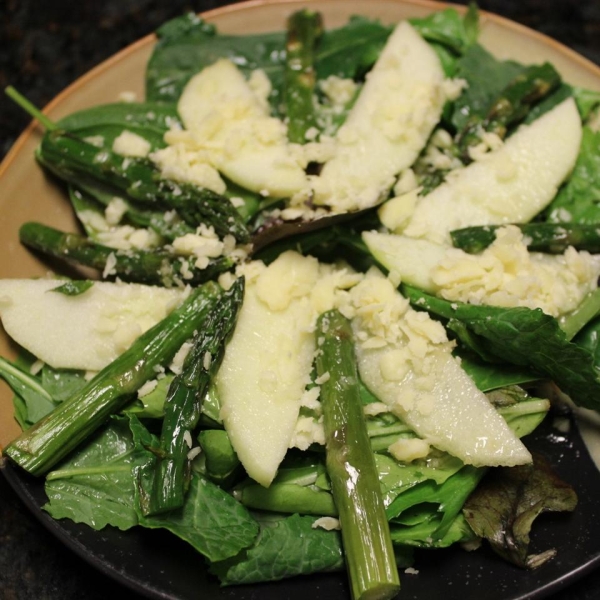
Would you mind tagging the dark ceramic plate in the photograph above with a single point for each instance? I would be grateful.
(158, 565)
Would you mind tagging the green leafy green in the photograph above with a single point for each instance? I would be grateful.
(444, 500)
(489, 376)
(449, 28)
(151, 405)
(95, 485)
(284, 548)
(73, 288)
(211, 520)
(524, 417)
(188, 44)
(62, 383)
(504, 506)
(578, 201)
(587, 101)
(106, 122)
(420, 534)
(486, 77)
(350, 51)
(397, 477)
(526, 338)
(32, 401)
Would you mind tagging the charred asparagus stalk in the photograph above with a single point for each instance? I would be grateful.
(77, 161)
(305, 27)
(73, 159)
(554, 238)
(351, 467)
(156, 267)
(71, 422)
(511, 107)
(184, 401)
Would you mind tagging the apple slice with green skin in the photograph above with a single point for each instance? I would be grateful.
(413, 260)
(405, 359)
(233, 128)
(504, 274)
(86, 331)
(446, 409)
(387, 127)
(509, 185)
(267, 364)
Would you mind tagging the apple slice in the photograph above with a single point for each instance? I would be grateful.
(504, 274)
(412, 260)
(267, 363)
(509, 185)
(232, 127)
(445, 409)
(87, 331)
(388, 126)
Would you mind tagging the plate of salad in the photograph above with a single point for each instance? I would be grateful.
(303, 301)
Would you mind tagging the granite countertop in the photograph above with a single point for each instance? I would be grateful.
(47, 45)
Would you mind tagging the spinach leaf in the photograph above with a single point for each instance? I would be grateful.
(95, 485)
(486, 77)
(152, 405)
(449, 29)
(350, 51)
(32, 401)
(100, 485)
(443, 500)
(420, 534)
(503, 508)
(73, 288)
(284, 548)
(526, 338)
(62, 383)
(578, 201)
(489, 377)
(525, 416)
(106, 122)
(211, 520)
(187, 45)
(587, 101)
(396, 477)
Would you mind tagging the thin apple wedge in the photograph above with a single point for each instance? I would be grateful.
(388, 126)
(86, 331)
(509, 185)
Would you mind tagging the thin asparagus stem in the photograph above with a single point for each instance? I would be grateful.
(184, 401)
(30, 108)
(543, 237)
(156, 267)
(305, 27)
(351, 466)
(71, 422)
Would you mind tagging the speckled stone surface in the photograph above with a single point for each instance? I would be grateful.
(44, 46)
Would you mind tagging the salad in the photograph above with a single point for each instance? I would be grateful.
(339, 278)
